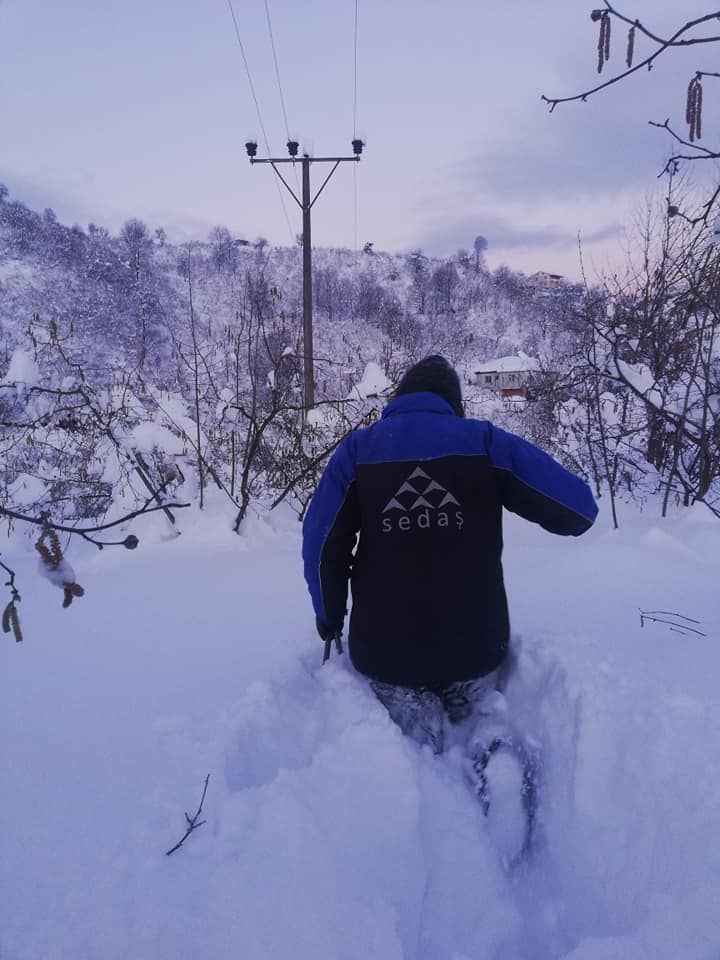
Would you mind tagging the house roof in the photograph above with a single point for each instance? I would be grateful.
(507, 364)
(544, 275)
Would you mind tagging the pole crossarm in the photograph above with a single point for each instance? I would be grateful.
(300, 159)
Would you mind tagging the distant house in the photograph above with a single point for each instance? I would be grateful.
(544, 281)
(507, 376)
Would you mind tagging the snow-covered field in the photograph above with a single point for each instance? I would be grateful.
(328, 834)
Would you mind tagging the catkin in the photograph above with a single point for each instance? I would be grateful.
(689, 102)
(607, 36)
(603, 40)
(15, 623)
(630, 47)
(51, 556)
(11, 621)
(693, 109)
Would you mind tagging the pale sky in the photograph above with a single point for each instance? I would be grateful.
(118, 108)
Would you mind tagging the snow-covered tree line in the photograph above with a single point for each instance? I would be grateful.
(634, 399)
(134, 371)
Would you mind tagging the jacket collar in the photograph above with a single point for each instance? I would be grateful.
(422, 402)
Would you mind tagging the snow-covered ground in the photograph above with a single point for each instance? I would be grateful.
(329, 834)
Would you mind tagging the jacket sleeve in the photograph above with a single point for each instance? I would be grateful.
(329, 534)
(538, 488)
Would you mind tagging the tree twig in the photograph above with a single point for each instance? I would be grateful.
(192, 822)
(11, 582)
(657, 616)
(705, 152)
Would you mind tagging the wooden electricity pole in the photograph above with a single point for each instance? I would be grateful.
(306, 205)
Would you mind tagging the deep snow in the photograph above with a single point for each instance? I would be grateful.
(328, 833)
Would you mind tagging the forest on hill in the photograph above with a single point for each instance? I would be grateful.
(131, 367)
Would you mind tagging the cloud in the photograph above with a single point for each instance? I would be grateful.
(504, 235)
(64, 197)
(566, 157)
(68, 199)
(543, 176)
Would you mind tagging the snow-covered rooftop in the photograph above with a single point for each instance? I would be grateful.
(507, 364)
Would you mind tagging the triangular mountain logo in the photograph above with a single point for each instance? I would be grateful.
(420, 490)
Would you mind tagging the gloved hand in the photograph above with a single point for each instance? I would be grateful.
(328, 632)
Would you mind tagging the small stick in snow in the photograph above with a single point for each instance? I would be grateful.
(658, 616)
(192, 822)
(668, 613)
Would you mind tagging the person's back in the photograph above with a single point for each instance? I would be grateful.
(425, 489)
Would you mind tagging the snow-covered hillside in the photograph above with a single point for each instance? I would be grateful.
(187, 363)
(327, 833)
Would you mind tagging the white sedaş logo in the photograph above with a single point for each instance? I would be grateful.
(421, 503)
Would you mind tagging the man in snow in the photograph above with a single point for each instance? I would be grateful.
(424, 489)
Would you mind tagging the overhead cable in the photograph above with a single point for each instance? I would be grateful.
(277, 69)
(355, 168)
(259, 114)
(355, 48)
(280, 89)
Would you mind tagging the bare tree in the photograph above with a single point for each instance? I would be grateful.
(137, 243)
(630, 396)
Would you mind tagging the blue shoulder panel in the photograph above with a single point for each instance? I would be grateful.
(540, 473)
(324, 507)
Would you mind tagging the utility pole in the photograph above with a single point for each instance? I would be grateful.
(306, 205)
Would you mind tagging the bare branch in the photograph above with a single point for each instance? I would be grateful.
(660, 40)
(192, 822)
(704, 151)
(11, 582)
(82, 531)
(676, 40)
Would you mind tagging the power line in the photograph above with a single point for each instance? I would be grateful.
(277, 69)
(355, 169)
(355, 46)
(247, 70)
(280, 89)
(259, 114)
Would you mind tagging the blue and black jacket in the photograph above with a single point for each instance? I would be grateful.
(409, 512)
